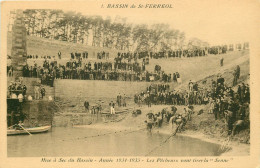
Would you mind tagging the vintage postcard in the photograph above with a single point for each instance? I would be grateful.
(132, 83)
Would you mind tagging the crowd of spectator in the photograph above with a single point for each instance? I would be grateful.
(40, 57)
(16, 90)
(103, 55)
(46, 72)
(79, 56)
(156, 95)
(218, 50)
(121, 69)
(223, 101)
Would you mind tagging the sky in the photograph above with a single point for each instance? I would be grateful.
(215, 21)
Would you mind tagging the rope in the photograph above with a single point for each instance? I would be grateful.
(163, 142)
(100, 135)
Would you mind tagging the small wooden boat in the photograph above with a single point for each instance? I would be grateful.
(33, 130)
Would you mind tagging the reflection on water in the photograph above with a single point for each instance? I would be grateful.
(74, 142)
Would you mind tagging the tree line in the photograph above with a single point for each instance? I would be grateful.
(99, 32)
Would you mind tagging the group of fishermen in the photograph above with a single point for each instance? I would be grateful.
(121, 100)
(233, 106)
(94, 109)
(223, 101)
(173, 117)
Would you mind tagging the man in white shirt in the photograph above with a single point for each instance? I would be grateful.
(37, 92)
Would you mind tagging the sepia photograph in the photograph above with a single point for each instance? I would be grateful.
(128, 82)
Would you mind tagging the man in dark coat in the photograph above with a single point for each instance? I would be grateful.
(59, 55)
(72, 55)
(221, 61)
(24, 90)
(247, 95)
(86, 104)
(221, 80)
(239, 92)
(42, 91)
(243, 89)
(238, 71)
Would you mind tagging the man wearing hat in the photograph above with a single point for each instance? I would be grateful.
(36, 92)
(112, 108)
(247, 94)
(10, 88)
(221, 61)
(119, 98)
(229, 120)
(43, 91)
(221, 80)
(190, 86)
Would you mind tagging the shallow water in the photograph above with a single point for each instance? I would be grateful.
(61, 141)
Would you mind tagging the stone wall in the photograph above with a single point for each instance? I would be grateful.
(97, 89)
(39, 112)
(19, 50)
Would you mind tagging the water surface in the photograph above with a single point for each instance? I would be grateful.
(62, 141)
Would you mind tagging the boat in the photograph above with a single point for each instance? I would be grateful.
(33, 130)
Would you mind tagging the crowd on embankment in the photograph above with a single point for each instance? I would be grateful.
(222, 101)
(121, 69)
(126, 66)
(177, 53)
